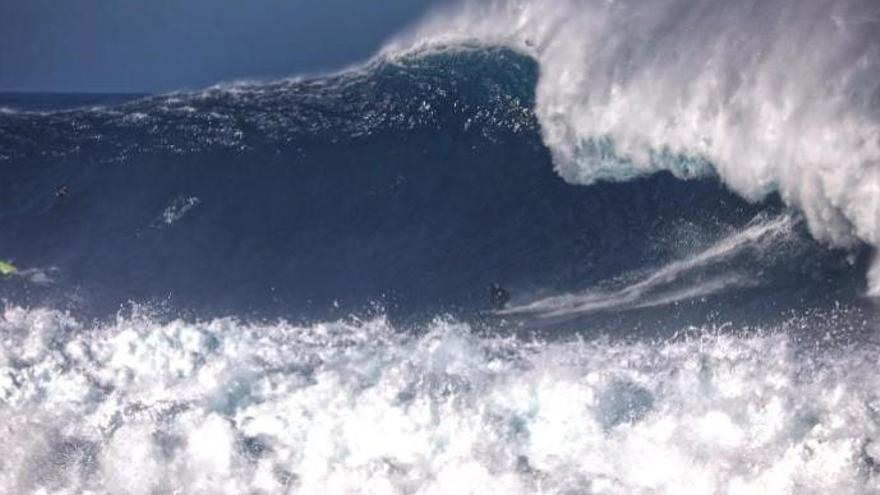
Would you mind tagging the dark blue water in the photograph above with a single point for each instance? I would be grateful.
(48, 102)
(285, 288)
(406, 188)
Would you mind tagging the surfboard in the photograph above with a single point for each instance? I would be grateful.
(7, 269)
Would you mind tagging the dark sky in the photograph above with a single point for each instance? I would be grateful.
(158, 45)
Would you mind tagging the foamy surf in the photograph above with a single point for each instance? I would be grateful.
(139, 406)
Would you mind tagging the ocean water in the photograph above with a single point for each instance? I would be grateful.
(284, 287)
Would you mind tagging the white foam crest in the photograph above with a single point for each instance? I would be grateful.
(139, 406)
(780, 95)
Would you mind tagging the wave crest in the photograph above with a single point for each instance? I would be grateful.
(776, 96)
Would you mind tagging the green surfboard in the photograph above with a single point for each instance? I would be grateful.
(6, 269)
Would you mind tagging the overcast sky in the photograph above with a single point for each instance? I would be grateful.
(159, 45)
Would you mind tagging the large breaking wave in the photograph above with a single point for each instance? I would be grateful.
(772, 96)
(283, 287)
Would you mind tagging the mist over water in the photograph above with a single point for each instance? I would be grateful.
(284, 287)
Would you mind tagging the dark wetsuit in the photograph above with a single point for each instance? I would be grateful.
(498, 296)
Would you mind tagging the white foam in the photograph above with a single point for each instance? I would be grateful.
(139, 406)
(178, 209)
(39, 276)
(780, 95)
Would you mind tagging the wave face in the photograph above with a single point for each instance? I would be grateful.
(285, 287)
(772, 96)
(413, 184)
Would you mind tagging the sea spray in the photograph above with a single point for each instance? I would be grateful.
(221, 406)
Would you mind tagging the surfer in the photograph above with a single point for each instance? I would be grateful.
(498, 296)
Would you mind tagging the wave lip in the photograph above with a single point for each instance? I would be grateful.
(776, 96)
(140, 406)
